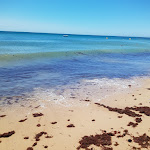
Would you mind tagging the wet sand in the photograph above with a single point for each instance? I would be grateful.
(119, 122)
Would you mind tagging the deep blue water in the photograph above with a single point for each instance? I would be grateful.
(32, 60)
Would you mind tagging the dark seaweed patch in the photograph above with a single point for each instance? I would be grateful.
(34, 144)
(129, 140)
(100, 140)
(126, 111)
(87, 100)
(3, 116)
(8, 134)
(70, 125)
(38, 125)
(23, 120)
(46, 146)
(119, 116)
(138, 120)
(145, 110)
(132, 124)
(37, 136)
(116, 144)
(37, 114)
(53, 122)
(48, 136)
(29, 148)
(125, 132)
(143, 140)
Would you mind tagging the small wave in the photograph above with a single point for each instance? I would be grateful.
(94, 90)
(18, 56)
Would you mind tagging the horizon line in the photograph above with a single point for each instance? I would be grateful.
(74, 34)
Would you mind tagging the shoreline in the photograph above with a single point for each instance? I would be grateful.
(58, 127)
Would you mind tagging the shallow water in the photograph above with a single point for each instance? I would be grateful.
(31, 61)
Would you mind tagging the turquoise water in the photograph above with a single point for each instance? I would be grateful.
(36, 60)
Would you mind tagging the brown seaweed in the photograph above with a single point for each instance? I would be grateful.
(70, 125)
(37, 114)
(100, 140)
(23, 120)
(143, 140)
(6, 135)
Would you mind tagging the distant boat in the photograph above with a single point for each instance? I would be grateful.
(65, 35)
(106, 37)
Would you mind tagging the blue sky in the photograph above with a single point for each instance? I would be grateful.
(97, 17)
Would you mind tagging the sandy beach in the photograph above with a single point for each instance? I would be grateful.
(119, 122)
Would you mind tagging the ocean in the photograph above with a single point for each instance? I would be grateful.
(33, 61)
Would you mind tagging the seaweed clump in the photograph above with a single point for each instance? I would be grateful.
(126, 110)
(101, 140)
(143, 140)
(6, 135)
(37, 136)
(37, 114)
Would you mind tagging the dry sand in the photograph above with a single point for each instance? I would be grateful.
(57, 127)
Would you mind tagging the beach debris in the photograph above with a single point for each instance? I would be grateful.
(8, 134)
(135, 148)
(129, 140)
(26, 138)
(143, 140)
(101, 140)
(34, 144)
(116, 144)
(3, 116)
(129, 85)
(23, 120)
(53, 122)
(37, 136)
(138, 120)
(29, 148)
(93, 120)
(120, 116)
(68, 120)
(38, 125)
(132, 124)
(48, 136)
(70, 125)
(126, 111)
(87, 100)
(37, 114)
(125, 132)
(148, 88)
(144, 110)
(46, 146)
